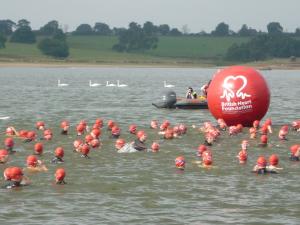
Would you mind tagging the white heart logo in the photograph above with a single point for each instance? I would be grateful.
(228, 93)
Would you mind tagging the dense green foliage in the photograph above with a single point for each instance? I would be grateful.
(55, 46)
(49, 29)
(137, 38)
(264, 46)
(23, 33)
(6, 27)
(2, 41)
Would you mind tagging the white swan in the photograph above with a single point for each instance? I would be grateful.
(61, 84)
(109, 85)
(168, 85)
(94, 84)
(121, 85)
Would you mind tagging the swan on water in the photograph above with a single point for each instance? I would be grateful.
(61, 84)
(168, 85)
(121, 85)
(94, 84)
(109, 85)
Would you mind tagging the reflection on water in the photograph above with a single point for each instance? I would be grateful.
(143, 188)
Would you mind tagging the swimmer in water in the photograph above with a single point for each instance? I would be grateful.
(296, 125)
(155, 147)
(221, 124)
(40, 125)
(77, 145)
(139, 143)
(180, 163)
(295, 152)
(58, 155)
(38, 148)
(283, 132)
(273, 162)
(15, 178)
(252, 132)
(4, 156)
(261, 166)
(115, 132)
(268, 124)
(60, 175)
(35, 165)
(169, 134)
(11, 131)
(85, 149)
(64, 125)
(9, 145)
(263, 141)
(132, 129)
(154, 124)
(120, 143)
(207, 159)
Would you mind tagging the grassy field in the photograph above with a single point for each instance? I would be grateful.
(98, 49)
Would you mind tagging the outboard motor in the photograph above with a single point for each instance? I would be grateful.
(168, 100)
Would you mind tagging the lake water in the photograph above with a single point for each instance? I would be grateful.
(143, 188)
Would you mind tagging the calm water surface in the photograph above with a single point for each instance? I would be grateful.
(143, 188)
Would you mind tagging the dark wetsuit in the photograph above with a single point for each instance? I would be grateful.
(207, 143)
(12, 184)
(261, 171)
(138, 145)
(85, 156)
(115, 135)
(57, 160)
(64, 132)
(294, 158)
(62, 182)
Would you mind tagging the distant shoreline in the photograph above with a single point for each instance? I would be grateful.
(269, 65)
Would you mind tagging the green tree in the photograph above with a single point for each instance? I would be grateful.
(102, 29)
(135, 38)
(149, 28)
(84, 29)
(222, 29)
(50, 28)
(175, 32)
(274, 28)
(163, 29)
(6, 27)
(23, 33)
(297, 32)
(245, 31)
(54, 47)
(2, 41)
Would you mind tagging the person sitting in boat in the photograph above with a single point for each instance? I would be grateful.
(191, 94)
(204, 88)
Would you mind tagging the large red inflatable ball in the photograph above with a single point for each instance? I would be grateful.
(238, 94)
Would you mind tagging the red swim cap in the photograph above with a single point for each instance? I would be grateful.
(83, 123)
(64, 124)
(180, 162)
(239, 127)
(182, 128)
(256, 123)
(155, 147)
(110, 124)
(16, 174)
(31, 135)
(23, 133)
(119, 143)
(201, 149)
(31, 161)
(85, 149)
(80, 128)
(77, 143)
(285, 128)
(261, 161)
(132, 129)
(264, 139)
(169, 134)
(268, 122)
(243, 155)
(99, 122)
(60, 174)
(95, 143)
(7, 173)
(115, 130)
(88, 138)
(38, 148)
(96, 132)
(154, 124)
(294, 149)
(273, 160)
(207, 158)
(59, 152)
(40, 125)
(9, 142)
(47, 132)
(140, 134)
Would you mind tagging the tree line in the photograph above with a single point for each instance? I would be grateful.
(273, 43)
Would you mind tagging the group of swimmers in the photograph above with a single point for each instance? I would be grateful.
(88, 137)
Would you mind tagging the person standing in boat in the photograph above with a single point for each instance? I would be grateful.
(204, 88)
(191, 94)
